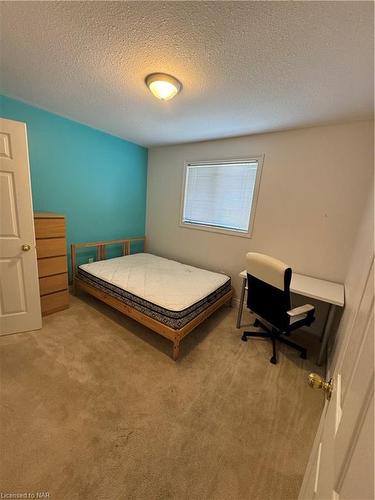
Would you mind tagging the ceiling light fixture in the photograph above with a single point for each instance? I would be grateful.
(163, 86)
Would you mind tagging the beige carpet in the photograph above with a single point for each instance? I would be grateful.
(92, 407)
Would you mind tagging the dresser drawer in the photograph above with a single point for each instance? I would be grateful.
(54, 283)
(54, 265)
(49, 228)
(50, 247)
(54, 302)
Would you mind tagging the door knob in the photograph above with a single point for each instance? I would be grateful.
(26, 247)
(317, 382)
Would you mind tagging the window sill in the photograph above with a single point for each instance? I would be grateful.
(210, 229)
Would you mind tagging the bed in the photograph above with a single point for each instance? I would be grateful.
(167, 296)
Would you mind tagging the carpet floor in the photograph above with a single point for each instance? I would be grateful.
(93, 407)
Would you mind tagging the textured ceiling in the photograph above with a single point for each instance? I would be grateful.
(246, 67)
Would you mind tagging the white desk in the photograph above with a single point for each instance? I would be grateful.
(326, 291)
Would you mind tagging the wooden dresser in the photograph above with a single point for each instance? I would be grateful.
(50, 234)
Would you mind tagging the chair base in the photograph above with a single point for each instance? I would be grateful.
(274, 335)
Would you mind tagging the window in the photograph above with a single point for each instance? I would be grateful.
(220, 196)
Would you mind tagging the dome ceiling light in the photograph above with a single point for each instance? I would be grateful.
(163, 86)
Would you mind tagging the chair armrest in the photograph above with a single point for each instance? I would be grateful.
(307, 308)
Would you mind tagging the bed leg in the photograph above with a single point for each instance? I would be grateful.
(176, 350)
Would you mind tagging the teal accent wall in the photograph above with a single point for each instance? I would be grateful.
(97, 180)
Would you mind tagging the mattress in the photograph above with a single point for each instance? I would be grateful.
(166, 290)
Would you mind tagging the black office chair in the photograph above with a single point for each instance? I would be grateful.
(268, 297)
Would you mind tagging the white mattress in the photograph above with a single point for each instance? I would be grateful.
(166, 283)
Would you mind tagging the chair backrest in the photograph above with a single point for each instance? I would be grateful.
(268, 288)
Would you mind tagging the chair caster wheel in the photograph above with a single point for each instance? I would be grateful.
(273, 360)
(303, 355)
(244, 338)
(256, 323)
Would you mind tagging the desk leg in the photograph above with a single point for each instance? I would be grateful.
(240, 307)
(326, 334)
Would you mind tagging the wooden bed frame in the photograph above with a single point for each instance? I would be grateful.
(174, 335)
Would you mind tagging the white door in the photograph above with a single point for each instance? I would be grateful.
(19, 285)
(341, 464)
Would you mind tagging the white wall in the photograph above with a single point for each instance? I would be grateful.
(356, 276)
(311, 197)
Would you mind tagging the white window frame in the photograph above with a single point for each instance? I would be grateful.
(233, 232)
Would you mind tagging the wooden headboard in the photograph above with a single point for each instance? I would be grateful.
(100, 249)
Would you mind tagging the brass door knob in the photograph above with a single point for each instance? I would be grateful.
(26, 247)
(317, 382)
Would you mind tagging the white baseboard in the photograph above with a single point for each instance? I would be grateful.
(236, 302)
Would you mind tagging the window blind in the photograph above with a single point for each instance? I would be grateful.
(220, 194)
